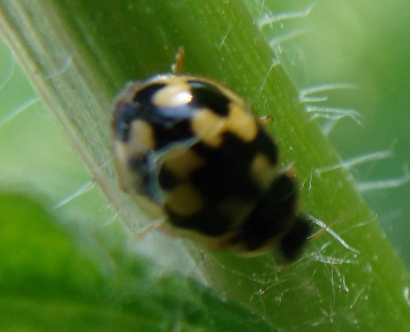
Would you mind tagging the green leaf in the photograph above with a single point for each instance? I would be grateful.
(51, 279)
(79, 54)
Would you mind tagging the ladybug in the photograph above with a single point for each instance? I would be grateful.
(191, 150)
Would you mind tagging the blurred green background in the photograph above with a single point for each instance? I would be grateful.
(366, 44)
(36, 156)
(361, 43)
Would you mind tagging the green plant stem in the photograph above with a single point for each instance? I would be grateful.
(79, 54)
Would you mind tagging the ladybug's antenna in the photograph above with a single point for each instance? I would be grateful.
(179, 61)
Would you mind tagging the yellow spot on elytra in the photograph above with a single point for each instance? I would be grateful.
(125, 179)
(184, 200)
(184, 164)
(263, 171)
(140, 141)
(236, 208)
(141, 137)
(241, 123)
(208, 127)
(173, 95)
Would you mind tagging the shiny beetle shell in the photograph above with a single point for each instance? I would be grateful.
(190, 147)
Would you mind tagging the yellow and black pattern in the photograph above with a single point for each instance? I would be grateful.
(192, 147)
